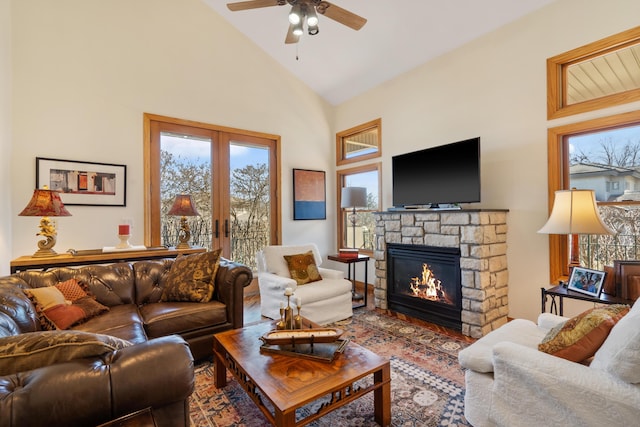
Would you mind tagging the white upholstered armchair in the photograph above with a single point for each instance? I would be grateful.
(324, 301)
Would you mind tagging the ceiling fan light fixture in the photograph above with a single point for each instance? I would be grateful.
(312, 17)
(295, 16)
(297, 29)
(313, 30)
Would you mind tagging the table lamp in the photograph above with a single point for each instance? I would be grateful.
(353, 197)
(183, 206)
(575, 212)
(45, 203)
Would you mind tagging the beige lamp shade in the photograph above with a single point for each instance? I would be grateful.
(575, 212)
(353, 197)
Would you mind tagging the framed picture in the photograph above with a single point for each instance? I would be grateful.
(309, 194)
(84, 183)
(586, 281)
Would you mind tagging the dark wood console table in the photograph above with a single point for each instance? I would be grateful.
(95, 256)
(561, 293)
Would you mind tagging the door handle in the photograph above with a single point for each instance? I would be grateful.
(217, 232)
(226, 228)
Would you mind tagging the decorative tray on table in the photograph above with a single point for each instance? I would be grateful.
(322, 344)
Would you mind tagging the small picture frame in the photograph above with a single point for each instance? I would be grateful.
(586, 281)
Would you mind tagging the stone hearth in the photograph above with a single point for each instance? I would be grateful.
(481, 236)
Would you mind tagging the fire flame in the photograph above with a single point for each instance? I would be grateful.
(427, 287)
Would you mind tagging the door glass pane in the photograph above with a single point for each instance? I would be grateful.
(608, 162)
(185, 168)
(360, 228)
(250, 206)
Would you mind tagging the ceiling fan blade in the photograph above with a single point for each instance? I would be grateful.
(252, 4)
(291, 38)
(341, 15)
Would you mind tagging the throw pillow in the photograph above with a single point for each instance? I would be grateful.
(64, 305)
(303, 268)
(580, 337)
(33, 350)
(192, 277)
(620, 353)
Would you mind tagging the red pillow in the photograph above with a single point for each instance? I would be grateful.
(79, 305)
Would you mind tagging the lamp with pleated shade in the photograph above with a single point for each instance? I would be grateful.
(45, 203)
(183, 206)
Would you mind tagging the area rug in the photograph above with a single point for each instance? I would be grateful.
(427, 383)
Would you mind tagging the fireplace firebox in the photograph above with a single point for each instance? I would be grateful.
(424, 282)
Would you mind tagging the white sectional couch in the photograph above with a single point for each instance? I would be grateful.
(324, 301)
(510, 383)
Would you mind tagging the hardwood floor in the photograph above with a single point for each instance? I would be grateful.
(252, 311)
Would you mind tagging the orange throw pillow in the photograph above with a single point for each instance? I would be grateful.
(580, 337)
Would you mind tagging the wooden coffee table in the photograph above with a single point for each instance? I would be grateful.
(289, 383)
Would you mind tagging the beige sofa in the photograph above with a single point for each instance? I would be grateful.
(510, 383)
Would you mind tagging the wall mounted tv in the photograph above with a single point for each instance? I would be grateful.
(446, 174)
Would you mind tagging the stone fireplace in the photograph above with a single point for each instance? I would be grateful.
(478, 236)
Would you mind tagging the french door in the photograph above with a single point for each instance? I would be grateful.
(231, 176)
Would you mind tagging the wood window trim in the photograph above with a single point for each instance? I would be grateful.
(340, 136)
(340, 182)
(558, 176)
(151, 155)
(556, 76)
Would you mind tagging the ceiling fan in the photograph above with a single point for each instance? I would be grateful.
(304, 12)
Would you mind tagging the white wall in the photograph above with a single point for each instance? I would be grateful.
(495, 88)
(85, 71)
(5, 134)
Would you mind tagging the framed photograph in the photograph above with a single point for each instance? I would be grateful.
(309, 194)
(586, 281)
(84, 183)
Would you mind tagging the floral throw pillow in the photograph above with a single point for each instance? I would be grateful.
(192, 278)
(64, 305)
(303, 268)
(580, 337)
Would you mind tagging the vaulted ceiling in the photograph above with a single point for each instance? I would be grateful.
(339, 63)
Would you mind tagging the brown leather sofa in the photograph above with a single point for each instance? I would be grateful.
(155, 372)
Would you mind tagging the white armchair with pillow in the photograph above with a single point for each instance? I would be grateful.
(326, 295)
(510, 382)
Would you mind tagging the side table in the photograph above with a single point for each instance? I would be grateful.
(561, 293)
(351, 273)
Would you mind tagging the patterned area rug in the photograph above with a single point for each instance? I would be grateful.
(427, 384)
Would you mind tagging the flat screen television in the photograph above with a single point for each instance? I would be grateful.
(446, 174)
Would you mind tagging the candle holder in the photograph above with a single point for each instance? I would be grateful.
(297, 321)
(124, 233)
(281, 324)
(124, 241)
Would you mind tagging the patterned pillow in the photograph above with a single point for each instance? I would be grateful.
(580, 337)
(192, 277)
(64, 305)
(33, 350)
(303, 268)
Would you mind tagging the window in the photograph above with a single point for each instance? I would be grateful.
(358, 230)
(359, 143)
(595, 76)
(603, 155)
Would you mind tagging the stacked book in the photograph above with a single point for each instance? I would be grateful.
(349, 252)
